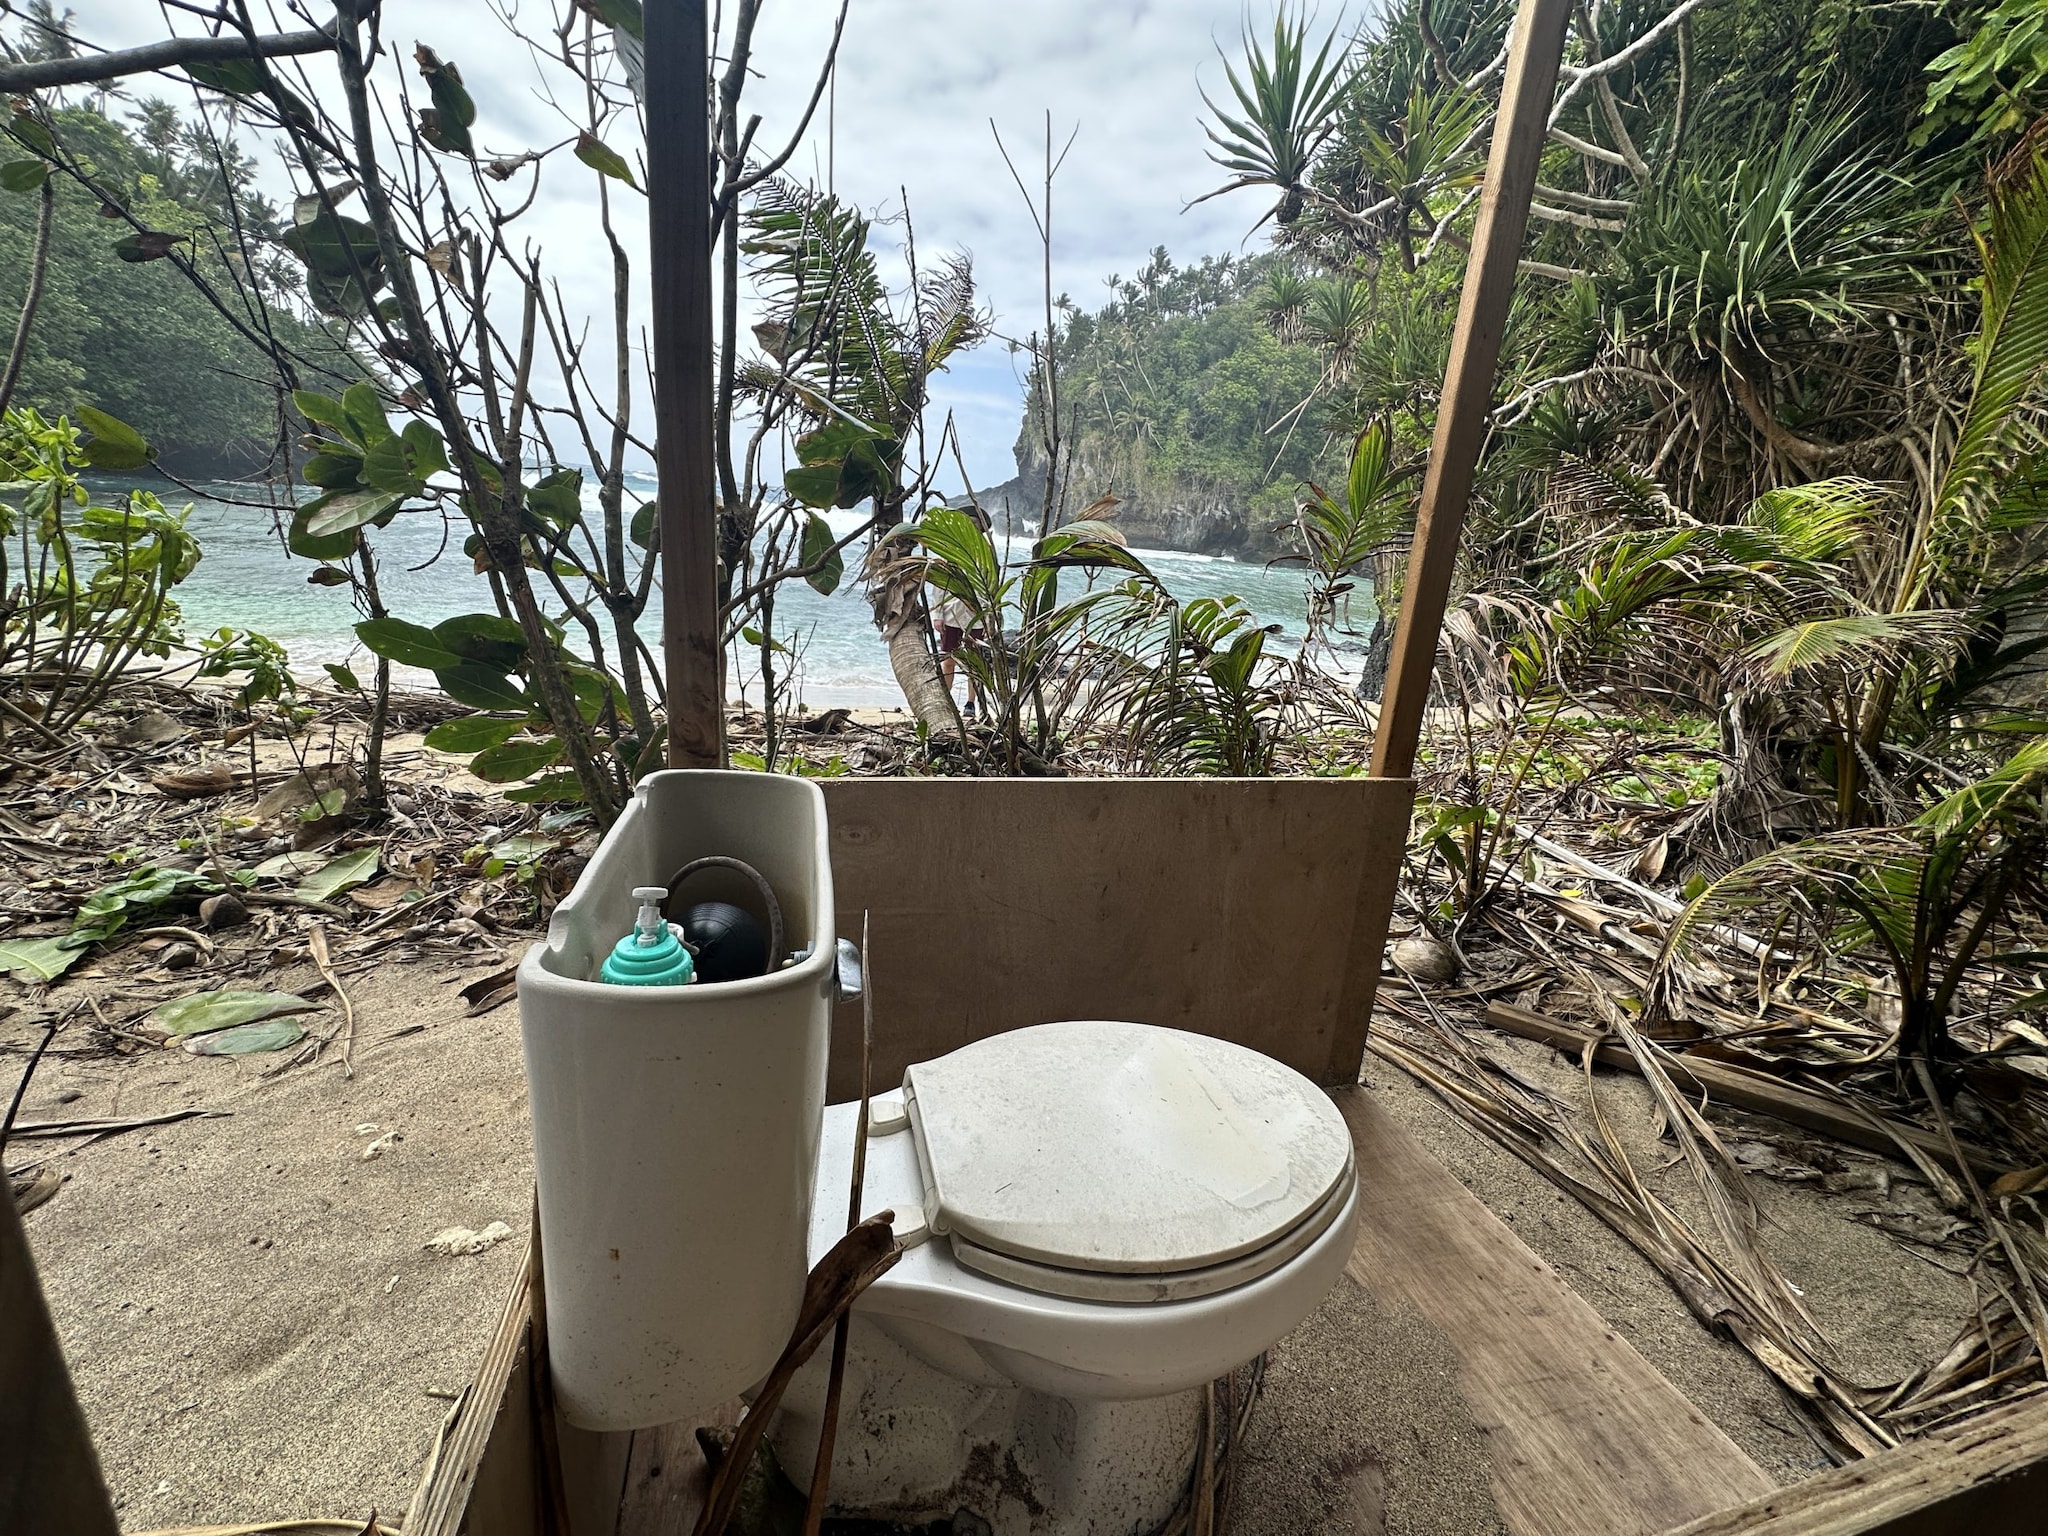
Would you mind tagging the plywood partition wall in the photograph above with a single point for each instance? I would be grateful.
(1250, 909)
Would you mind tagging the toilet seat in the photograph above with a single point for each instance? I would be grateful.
(1109, 1161)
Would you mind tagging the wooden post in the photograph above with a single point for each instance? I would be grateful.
(49, 1477)
(1518, 134)
(679, 250)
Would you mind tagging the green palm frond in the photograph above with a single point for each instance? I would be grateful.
(2002, 421)
(1282, 300)
(1336, 316)
(2014, 789)
(844, 350)
(1853, 642)
(1342, 535)
(1862, 885)
(1288, 103)
(1821, 520)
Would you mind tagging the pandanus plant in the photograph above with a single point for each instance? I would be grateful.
(1890, 618)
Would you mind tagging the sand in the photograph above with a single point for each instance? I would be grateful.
(253, 1322)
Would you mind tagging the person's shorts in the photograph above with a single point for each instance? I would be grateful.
(951, 638)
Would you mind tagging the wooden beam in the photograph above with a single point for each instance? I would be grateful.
(679, 283)
(1586, 1438)
(1746, 1089)
(1989, 1474)
(171, 53)
(49, 1476)
(483, 1474)
(1518, 137)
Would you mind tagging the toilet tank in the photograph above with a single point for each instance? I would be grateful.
(675, 1129)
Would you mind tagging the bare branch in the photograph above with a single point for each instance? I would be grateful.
(171, 53)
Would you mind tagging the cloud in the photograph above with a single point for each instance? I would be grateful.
(918, 83)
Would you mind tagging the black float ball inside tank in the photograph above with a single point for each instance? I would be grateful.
(729, 943)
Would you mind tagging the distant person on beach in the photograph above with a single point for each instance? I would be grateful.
(953, 621)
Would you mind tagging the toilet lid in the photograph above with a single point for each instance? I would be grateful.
(1113, 1149)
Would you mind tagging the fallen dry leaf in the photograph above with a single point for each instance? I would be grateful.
(213, 779)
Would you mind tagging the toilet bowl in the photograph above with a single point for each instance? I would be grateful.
(1101, 1219)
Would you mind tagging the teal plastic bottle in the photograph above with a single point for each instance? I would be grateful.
(651, 955)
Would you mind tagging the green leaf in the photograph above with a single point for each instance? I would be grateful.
(594, 152)
(33, 134)
(489, 639)
(23, 175)
(472, 733)
(111, 443)
(147, 245)
(406, 643)
(343, 677)
(549, 788)
(345, 511)
(343, 874)
(334, 471)
(289, 866)
(335, 248)
(558, 498)
(385, 467)
(480, 687)
(424, 451)
(302, 541)
(445, 124)
(817, 546)
(523, 849)
(46, 959)
(202, 1012)
(516, 760)
(365, 415)
(231, 77)
(248, 1039)
(815, 485)
(645, 517)
(322, 410)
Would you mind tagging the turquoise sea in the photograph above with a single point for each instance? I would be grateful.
(248, 580)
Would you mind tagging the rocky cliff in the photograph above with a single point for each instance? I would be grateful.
(1200, 522)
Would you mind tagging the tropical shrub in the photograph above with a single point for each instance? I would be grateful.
(86, 587)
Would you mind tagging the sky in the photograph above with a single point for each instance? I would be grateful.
(919, 82)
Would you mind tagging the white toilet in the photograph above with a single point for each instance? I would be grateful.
(1105, 1217)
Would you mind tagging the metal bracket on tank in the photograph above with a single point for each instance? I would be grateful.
(847, 981)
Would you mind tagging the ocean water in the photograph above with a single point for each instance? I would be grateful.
(246, 579)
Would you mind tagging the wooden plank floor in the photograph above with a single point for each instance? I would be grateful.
(1587, 1439)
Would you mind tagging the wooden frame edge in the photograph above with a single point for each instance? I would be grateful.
(1989, 1474)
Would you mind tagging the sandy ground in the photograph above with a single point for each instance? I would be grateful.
(1887, 1308)
(257, 1330)
(253, 1323)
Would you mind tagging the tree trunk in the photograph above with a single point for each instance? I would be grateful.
(911, 659)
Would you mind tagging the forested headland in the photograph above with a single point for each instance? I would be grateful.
(130, 334)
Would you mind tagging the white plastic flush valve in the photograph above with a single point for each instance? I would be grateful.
(651, 955)
(649, 924)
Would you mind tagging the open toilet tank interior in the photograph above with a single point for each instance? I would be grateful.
(676, 1128)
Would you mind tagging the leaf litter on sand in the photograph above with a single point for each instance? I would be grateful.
(248, 1039)
(225, 1008)
(416, 895)
(1586, 942)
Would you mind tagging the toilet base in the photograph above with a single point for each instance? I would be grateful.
(918, 1444)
